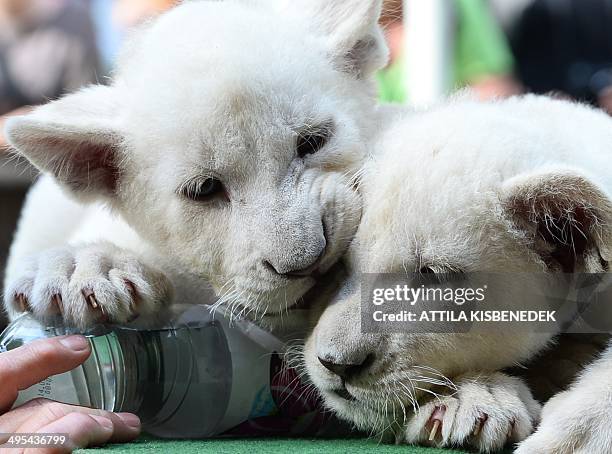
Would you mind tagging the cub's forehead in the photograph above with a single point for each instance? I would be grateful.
(442, 224)
(227, 116)
(214, 39)
(213, 65)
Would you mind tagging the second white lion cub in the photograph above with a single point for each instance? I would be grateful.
(517, 186)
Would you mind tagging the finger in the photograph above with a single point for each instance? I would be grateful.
(83, 430)
(33, 362)
(41, 412)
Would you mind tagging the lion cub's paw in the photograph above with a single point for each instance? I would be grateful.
(86, 285)
(574, 422)
(485, 413)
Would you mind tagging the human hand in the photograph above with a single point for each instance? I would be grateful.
(32, 363)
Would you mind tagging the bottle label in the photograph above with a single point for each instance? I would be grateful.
(61, 388)
(287, 406)
(264, 404)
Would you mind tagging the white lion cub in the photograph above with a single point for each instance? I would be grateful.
(517, 186)
(222, 152)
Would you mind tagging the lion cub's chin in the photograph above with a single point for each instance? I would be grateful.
(299, 317)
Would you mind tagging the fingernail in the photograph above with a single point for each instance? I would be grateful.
(104, 422)
(75, 343)
(130, 420)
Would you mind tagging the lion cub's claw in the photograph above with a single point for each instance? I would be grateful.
(485, 414)
(95, 283)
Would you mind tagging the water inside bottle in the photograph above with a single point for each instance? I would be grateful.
(178, 380)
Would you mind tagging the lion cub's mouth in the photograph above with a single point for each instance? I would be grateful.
(324, 285)
(344, 394)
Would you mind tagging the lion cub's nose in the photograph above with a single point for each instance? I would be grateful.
(297, 270)
(347, 371)
(309, 270)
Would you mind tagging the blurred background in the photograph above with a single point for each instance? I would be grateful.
(498, 48)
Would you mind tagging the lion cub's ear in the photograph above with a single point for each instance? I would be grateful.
(350, 28)
(75, 139)
(566, 217)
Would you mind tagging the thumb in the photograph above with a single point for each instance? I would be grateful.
(33, 362)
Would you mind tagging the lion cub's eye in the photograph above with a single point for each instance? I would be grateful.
(204, 190)
(441, 275)
(427, 270)
(427, 276)
(313, 140)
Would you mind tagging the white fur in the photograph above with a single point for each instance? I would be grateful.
(210, 89)
(577, 420)
(511, 414)
(464, 187)
(223, 89)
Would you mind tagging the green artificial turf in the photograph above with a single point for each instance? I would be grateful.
(265, 446)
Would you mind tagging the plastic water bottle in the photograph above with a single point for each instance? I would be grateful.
(198, 378)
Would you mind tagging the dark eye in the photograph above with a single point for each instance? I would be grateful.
(427, 276)
(312, 141)
(427, 270)
(204, 190)
(441, 275)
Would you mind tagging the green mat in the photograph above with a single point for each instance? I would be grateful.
(264, 446)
